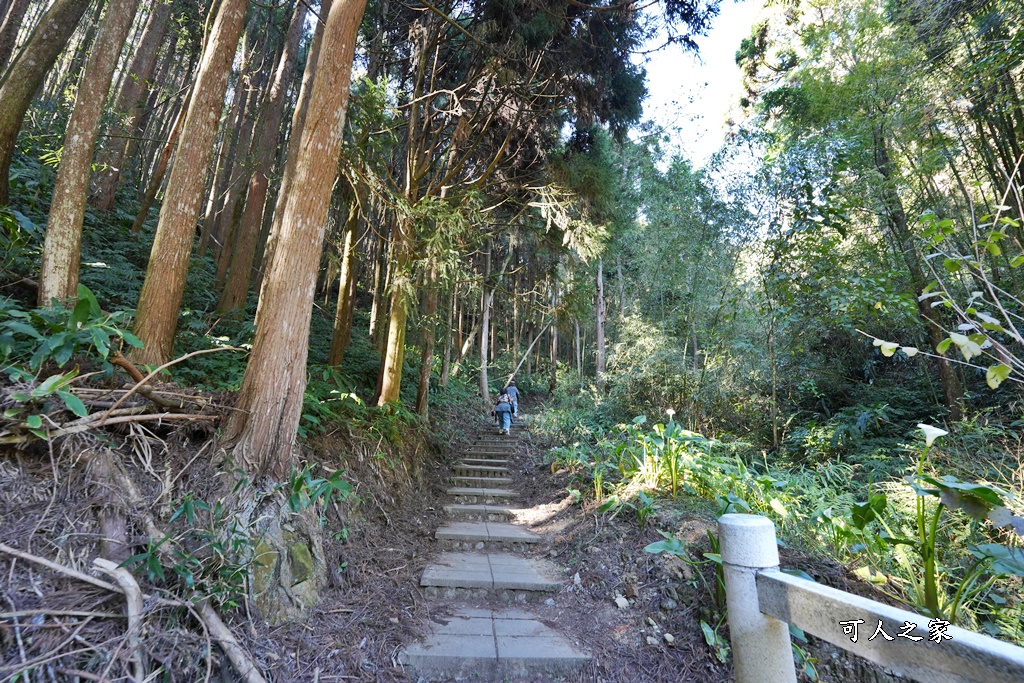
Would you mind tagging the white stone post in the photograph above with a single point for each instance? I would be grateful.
(761, 651)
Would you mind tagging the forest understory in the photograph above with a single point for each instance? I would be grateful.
(262, 265)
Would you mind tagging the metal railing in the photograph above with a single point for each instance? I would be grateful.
(763, 601)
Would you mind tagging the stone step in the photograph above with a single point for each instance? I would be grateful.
(485, 462)
(481, 535)
(488, 453)
(493, 645)
(463, 575)
(490, 513)
(480, 496)
(463, 469)
(480, 481)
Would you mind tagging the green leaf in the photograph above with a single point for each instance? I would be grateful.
(889, 348)
(130, 338)
(951, 265)
(779, 507)
(73, 403)
(85, 294)
(944, 346)
(78, 316)
(871, 576)
(996, 375)
(865, 513)
(993, 248)
(49, 385)
(709, 633)
(34, 421)
(101, 340)
(23, 328)
(1017, 261)
(1005, 560)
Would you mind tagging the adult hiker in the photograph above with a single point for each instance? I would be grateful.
(503, 411)
(513, 396)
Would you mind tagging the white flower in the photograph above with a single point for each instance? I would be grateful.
(931, 433)
(670, 412)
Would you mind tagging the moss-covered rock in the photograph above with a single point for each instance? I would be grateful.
(302, 564)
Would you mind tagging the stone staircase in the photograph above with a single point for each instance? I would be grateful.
(485, 574)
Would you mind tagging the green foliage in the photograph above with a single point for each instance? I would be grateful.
(30, 339)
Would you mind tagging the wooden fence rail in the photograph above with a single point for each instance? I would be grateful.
(763, 601)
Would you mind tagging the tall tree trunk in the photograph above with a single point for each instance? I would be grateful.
(446, 364)
(897, 218)
(428, 341)
(553, 379)
(22, 80)
(599, 315)
(343, 311)
(579, 352)
(298, 124)
(264, 153)
(394, 349)
(157, 178)
(164, 285)
(130, 100)
(263, 430)
(62, 251)
(11, 24)
(486, 297)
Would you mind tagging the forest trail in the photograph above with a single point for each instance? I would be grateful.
(487, 575)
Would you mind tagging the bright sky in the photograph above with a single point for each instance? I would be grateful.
(697, 93)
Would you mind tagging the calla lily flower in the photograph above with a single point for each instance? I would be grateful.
(931, 433)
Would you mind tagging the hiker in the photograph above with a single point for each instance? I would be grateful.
(503, 412)
(513, 396)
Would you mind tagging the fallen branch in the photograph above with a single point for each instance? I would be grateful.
(133, 598)
(94, 424)
(219, 631)
(160, 369)
(119, 360)
(206, 614)
(59, 568)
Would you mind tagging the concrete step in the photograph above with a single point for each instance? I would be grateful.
(485, 462)
(488, 513)
(473, 495)
(463, 575)
(480, 481)
(485, 535)
(488, 453)
(464, 469)
(493, 645)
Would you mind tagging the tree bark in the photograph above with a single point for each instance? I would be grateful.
(164, 285)
(263, 430)
(446, 364)
(298, 124)
(401, 285)
(343, 310)
(486, 298)
(553, 379)
(130, 99)
(599, 315)
(27, 72)
(157, 178)
(240, 273)
(427, 350)
(15, 15)
(62, 251)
